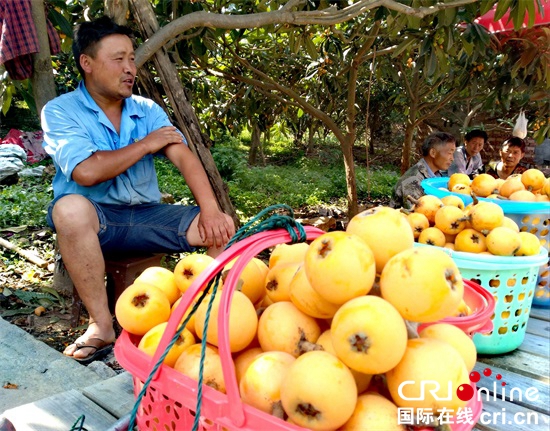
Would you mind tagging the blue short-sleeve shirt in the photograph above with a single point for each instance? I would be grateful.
(75, 128)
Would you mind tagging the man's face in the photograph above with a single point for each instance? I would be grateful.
(511, 155)
(111, 72)
(443, 155)
(474, 146)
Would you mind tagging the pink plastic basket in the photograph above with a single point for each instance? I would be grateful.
(482, 304)
(171, 397)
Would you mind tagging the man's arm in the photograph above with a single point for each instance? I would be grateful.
(215, 227)
(105, 165)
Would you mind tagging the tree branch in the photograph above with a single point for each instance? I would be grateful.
(286, 15)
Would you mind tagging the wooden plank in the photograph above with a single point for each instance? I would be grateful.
(515, 390)
(540, 313)
(59, 413)
(536, 345)
(502, 416)
(115, 395)
(519, 362)
(538, 327)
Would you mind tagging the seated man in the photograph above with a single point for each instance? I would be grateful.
(102, 139)
(512, 151)
(467, 158)
(437, 155)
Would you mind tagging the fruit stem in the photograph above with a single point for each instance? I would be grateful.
(277, 410)
(305, 346)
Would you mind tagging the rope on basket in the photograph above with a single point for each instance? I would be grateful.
(258, 223)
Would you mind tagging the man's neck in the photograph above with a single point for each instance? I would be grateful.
(430, 164)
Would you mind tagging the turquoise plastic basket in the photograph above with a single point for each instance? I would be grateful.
(531, 217)
(512, 281)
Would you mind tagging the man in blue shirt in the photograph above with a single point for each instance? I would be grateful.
(102, 139)
(437, 156)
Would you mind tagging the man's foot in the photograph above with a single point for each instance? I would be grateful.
(92, 345)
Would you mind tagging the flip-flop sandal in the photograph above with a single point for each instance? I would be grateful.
(101, 350)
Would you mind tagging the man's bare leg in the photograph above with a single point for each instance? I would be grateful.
(77, 225)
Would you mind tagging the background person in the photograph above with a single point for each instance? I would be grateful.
(102, 139)
(437, 156)
(512, 151)
(467, 158)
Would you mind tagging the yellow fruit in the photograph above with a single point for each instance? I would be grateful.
(511, 184)
(374, 412)
(458, 178)
(428, 205)
(162, 278)
(319, 392)
(243, 360)
(252, 277)
(533, 179)
(462, 189)
(385, 230)
(306, 298)
(418, 223)
(450, 220)
(522, 196)
(340, 266)
(285, 328)
(483, 185)
(503, 241)
(243, 321)
(509, 223)
(456, 338)
(188, 269)
(277, 281)
(150, 341)
(368, 334)
(288, 253)
(189, 363)
(432, 236)
(470, 241)
(529, 244)
(485, 216)
(453, 200)
(260, 385)
(428, 360)
(424, 284)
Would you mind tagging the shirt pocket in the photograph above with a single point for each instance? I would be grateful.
(143, 172)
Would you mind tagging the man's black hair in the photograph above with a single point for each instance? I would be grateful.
(88, 34)
(514, 141)
(476, 133)
(435, 140)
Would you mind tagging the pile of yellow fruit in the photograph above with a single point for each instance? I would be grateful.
(480, 227)
(309, 329)
(530, 186)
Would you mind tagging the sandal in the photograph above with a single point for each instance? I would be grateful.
(102, 349)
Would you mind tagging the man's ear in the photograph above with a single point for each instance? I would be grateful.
(85, 63)
(432, 153)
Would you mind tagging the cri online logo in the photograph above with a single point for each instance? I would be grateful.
(465, 392)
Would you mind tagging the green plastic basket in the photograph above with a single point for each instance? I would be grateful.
(512, 281)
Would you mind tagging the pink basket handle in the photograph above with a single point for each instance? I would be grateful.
(245, 249)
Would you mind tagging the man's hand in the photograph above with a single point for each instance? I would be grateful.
(160, 138)
(215, 229)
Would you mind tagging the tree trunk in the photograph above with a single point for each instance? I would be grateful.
(254, 144)
(351, 184)
(185, 117)
(117, 10)
(407, 146)
(43, 85)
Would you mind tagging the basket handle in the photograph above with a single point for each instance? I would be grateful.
(245, 250)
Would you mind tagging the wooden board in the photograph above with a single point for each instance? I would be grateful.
(59, 413)
(538, 327)
(540, 313)
(519, 362)
(515, 390)
(536, 345)
(115, 395)
(502, 415)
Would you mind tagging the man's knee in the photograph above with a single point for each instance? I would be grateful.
(72, 210)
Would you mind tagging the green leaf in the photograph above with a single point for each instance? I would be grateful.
(502, 7)
(61, 22)
(403, 46)
(15, 312)
(531, 11)
(486, 6)
(431, 63)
